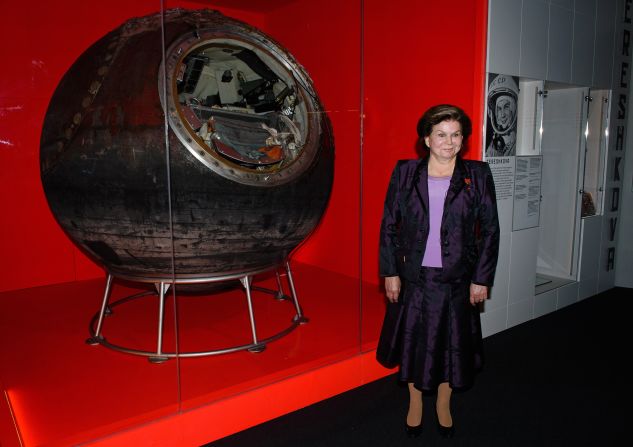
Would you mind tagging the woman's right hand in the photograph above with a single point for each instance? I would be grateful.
(392, 288)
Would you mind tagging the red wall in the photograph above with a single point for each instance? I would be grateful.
(40, 41)
(413, 56)
(325, 38)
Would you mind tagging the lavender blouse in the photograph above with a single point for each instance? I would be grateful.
(438, 186)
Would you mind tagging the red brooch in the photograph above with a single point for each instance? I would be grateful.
(468, 182)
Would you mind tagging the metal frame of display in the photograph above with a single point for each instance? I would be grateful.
(162, 286)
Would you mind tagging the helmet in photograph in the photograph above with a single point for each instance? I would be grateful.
(502, 85)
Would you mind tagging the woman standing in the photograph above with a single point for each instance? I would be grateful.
(439, 241)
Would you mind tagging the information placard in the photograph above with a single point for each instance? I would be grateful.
(527, 192)
(503, 174)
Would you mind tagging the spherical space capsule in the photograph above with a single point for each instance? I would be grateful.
(214, 159)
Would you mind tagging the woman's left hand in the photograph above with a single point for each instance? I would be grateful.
(478, 293)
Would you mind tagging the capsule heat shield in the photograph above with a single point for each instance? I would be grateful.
(216, 158)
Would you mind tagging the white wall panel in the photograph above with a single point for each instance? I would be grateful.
(524, 246)
(504, 208)
(499, 292)
(520, 312)
(504, 36)
(624, 249)
(493, 321)
(587, 288)
(604, 44)
(590, 256)
(534, 29)
(591, 230)
(545, 303)
(565, 4)
(585, 6)
(606, 279)
(582, 58)
(560, 44)
(618, 195)
(567, 295)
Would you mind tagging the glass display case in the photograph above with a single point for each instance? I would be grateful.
(193, 192)
(196, 162)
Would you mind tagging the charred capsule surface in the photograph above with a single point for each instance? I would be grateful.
(216, 158)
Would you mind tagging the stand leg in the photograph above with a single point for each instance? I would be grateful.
(280, 290)
(104, 306)
(246, 282)
(162, 290)
(299, 317)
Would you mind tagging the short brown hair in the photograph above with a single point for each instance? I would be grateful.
(443, 112)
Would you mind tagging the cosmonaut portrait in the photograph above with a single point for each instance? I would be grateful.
(501, 125)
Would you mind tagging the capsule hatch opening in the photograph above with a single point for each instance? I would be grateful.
(244, 109)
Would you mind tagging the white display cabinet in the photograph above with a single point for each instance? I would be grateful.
(568, 127)
(567, 57)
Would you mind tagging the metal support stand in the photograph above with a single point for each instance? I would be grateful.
(96, 336)
(298, 318)
(162, 286)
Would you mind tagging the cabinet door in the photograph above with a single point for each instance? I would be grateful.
(563, 143)
(595, 152)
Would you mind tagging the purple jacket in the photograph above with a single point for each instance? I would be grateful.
(470, 225)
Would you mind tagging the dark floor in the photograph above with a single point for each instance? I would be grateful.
(559, 380)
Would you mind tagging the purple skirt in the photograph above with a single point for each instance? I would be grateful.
(432, 333)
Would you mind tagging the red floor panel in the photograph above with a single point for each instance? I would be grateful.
(64, 392)
(227, 416)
